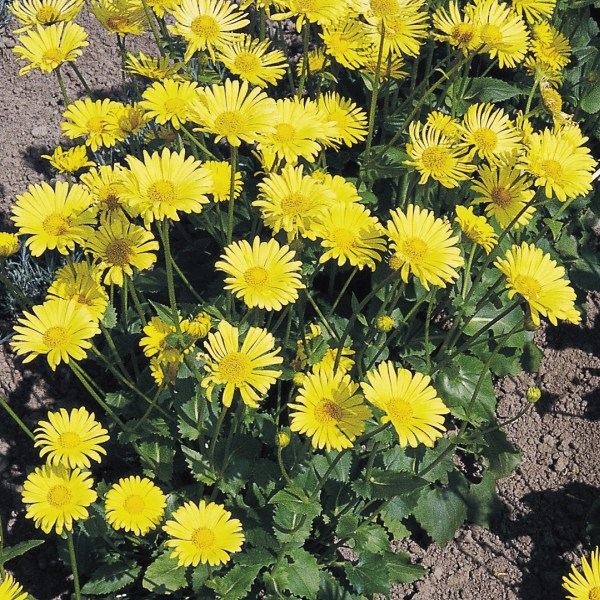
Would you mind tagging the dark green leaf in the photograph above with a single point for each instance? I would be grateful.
(341, 471)
(164, 575)
(500, 455)
(483, 501)
(165, 314)
(157, 458)
(303, 574)
(237, 583)
(590, 103)
(109, 320)
(109, 579)
(366, 576)
(331, 589)
(199, 465)
(400, 569)
(199, 576)
(489, 89)
(19, 549)
(387, 484)
(190, 418)
(531, 358)
(117, 400)
(370, 538)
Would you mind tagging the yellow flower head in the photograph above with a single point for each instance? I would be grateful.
(247, 368)
(424, 246)
(10, 589)
(203, 533)
(344, 191)
(79, 282)
(586, 585)
(457, 28)
(316, 62)
(534, 10)
(46, 48)
(233, 111)
(550, 47)
(91, 119)
(128, 119)
(170, 101)
(164, 184)
(329, 410)
(293, 202)
(151, 67)
(198, 327)
(57, 328)
(154, 343)
(250, 60)
(323, 12)
(57, 497)
(55, 218)
(71, 439)
(435, 155)
(350, 233)
(444, 123)
(160, 7)
(9, 244)
(220, 174)
(346, 41)
(349, 119)
(475, 228)
(207, 25)
(385, 323)
(135, 504)
(506, 194)
(537, 278)
(263, 275)
(502, 31)
(118, 247)
(30, 13)
(120, 17)
(69, 160)
(410, 403)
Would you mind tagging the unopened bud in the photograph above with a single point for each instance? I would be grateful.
(533, 394)
(385, 323)
(282, 439)
(299, 378)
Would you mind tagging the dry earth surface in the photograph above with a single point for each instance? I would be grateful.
(539, 530)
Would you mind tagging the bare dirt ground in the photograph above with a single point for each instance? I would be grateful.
(539, 530)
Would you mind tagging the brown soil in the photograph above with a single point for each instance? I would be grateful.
(540, 528)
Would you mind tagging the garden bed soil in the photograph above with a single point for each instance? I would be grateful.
(540, 528)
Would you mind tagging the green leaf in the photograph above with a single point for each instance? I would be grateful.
(554, 226)
(567, 246)
(590, 103)
(331, 589)
(199, 576)
(237, 583)
(483, 501)
(456, 385)
(19, 549)
(500, 455)
(442, 510)
(387, 484)
(109, 319)
(370, 538)
(164, 313)
(489, 89)
(157, 458)
(531, 358)
(488, 313)
(293, 515)
(117, 400)
(400, 569)
(507, 362)
(304, 576)
(366, 576)
(190, 418)
(164, 575)
(108, 579)
(341, 471)
(198, 465)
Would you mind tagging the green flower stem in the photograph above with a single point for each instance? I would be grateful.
(233, 163)
(15, 418)
(467, 274)
(427, 325)
(86, 87)
(63, 89)
(238, 417)
(128, 283)
(262, 21)
(213, 442)
(321, 316)
(152, 23)
(282, 466)
(149, 410)
(113, 350)
(123, 51)
(186, 282)
(343, 291)
(196, 143)
(306, 40)
(73, 560)
(163, 228)
(23, 300)
(370, 462)
(530, 97)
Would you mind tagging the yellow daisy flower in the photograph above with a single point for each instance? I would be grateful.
(502, 30)
(128, 119)
(350, 233)
(349, 119)
(69, 160)
(203, 533)
(118, 247)
(343, 191)
(327, 363)
(103, 183)
(90, 119)
(57, 497)
(197, 327)
(57, 328)
(263, 275)
(299, 127)
(154, 343)
(151, 67)
(316, 62)
(385, 323)
(586, 585)
(165, 371)
(505, 192)
(30, 13)
(293, 202)
(475, 228)
(247, 368)
(164, 184)
(534, 10)
(323, 12)
(537, 278)
(250, 60)
(79, 282)
(134, 504)
(46, 48)
(329, 410)
(9, 244)
(345, 41)
(220, 174)
(445, 124)
(169, 101)
(489, 131)
(120, 17)
(457, 29)
(550, 47)
(207, 25)
(71, 439)
(562, 168)
(435, 155)
(390, 67)
(160, 7)
(424, 246)
(55, 218)
(10, 589)
(233, 111)
(410, 403)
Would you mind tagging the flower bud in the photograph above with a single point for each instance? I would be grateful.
(385, 323)
(282, 439)
(533, 394)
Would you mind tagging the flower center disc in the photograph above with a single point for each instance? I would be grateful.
(206, 27)
(344, 239)
(485, 139)
(96, 124)
(256, 276)
(384, 8)
(247, 63)
(400, 411)
(117, 23)
(203, 538)
(46, 15)
(69, 440)
(462, 33)
(174, 106)
(56, 337)
(59, 495)
(552, 169)
(435, 159)
(161, 191)
(56, 224)
(229, 123)
(134, 504)
(119, 252)
(527, 286)
(284, 132)
(294, 204)
(328, 411)
(235, 368)
(491, 35)
(501, 197)
(594, 593)
(53, 55)
(414, 249)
